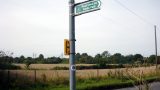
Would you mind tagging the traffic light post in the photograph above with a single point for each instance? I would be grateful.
(75, 10)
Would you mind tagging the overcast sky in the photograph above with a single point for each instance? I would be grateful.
(40, 26)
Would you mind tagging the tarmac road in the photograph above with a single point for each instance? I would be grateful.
(152, 86)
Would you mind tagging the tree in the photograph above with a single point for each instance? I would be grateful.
(128, 59)
(77, 56)
(6, 57)
(17, 60)
(22, 58)
(83, 58)
(53, 59)
(158, 59)
(97, 58)
(151, 59)
(2, 54)
(28, 62)
(138, 57)
(84, 55)
(105, 54)
(117, 58)
(41, 57)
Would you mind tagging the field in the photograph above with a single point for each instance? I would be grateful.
(52, 74)
(86, 79)
(48, 66)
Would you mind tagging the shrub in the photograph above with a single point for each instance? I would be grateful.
(101, 66)
(44, 78)
(9, 66)
(60, 68)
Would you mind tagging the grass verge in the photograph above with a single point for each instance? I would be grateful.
(90, 84)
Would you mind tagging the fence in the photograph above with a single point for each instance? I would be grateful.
(41, 75)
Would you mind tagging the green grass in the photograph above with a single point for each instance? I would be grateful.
(96, 84)
(108, 83)
(89, 84)
(100, 83)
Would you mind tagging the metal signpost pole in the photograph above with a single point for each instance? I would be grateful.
(72, 45)
(75, 10)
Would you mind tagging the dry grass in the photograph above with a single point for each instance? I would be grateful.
(61, 77)
(48, 66)
(45, 74)
(53, 74)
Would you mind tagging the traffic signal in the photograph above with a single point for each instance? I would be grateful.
(66, 47)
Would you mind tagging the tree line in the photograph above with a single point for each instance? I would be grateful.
(117, 58)
(102, 58)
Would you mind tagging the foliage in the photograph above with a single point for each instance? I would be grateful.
(28, 63)
(9, 66)
(103, 83)
(97, 66)
(151, 59)
(99, 59)
(60, 68)
(6, 60)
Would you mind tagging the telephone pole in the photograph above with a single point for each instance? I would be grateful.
(156, 47)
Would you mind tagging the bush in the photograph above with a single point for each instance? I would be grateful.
(98, 66)
(60, 68)
(101, 66)
(9, 66)
(114, 66)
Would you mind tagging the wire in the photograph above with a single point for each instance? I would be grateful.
(115, 22)
(141, 18)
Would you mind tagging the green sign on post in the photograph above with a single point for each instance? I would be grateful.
(74, 10)
(87, 6)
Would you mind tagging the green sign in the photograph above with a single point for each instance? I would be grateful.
(87, 6)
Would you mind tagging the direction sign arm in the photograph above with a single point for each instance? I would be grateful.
(86, 7)
(86, 12)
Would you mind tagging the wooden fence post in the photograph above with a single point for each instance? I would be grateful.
(16, 75)
(97, 73)
(8, 77)
(35, 78)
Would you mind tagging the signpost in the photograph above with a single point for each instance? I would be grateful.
(87, 6)
(75, 10)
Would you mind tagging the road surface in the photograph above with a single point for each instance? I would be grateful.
(152, 86)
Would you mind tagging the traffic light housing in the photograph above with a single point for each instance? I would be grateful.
(66, 47)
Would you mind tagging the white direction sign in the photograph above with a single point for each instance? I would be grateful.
(87, 6)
